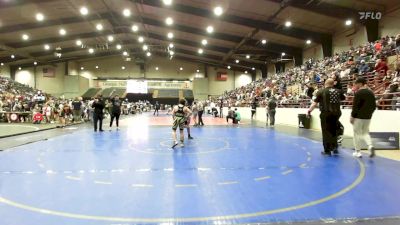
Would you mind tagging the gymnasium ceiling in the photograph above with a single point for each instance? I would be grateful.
(238, 32)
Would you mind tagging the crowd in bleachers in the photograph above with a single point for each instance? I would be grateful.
(21, 103)
(369, 60)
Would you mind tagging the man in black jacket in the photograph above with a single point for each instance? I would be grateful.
(271, 110)
(329, 105)
(115, 111)
(98, 106)
(364, 106)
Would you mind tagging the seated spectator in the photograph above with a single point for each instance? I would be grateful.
(381, 66)
(363, 68)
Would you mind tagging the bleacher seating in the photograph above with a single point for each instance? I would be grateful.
(91, 92)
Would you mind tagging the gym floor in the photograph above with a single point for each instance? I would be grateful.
(226, 175)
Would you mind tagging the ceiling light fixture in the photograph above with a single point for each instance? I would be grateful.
(35, 63)
(253, 68)
(229, 67)
(308, 41)
(218, 11)
(123, 67)
(198, 71)
(110, 38)
(181, 69)
(200, 51)
(39, 17)
(82, 68)
(141, 39)
(210, 29)
(170, 35)
(145, 47)
(119, 47)
(1, 64)
(46, 47)
(167, 2)
(25, 37)
(135, 28)
(84, 11)
(99, 26)
(348, 22)
(148, 54)
(245, 72)
(156, 68)
(171, 45)
(97, 67)
(263, 41)
(204, 42)
(169, 21)
(78, 42)
(62, 32)
(288, 24)
(126, 12)
(12, 56)
(247, 56)
(283, 54)
(125, 53)
(237, 61)
(91, 50)
(171, 53)
(19, 68)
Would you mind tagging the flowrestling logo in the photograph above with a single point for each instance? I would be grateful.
(370, 15)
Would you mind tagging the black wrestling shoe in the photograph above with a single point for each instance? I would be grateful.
(326, 153)
(335, 152)
(190, 137)
(175, 144)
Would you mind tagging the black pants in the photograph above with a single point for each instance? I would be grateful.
(98, 117)
(220, 113)
(329, 125)
(253, 112)
(229, 117)
(201, 118)
(155, 111)
(116, 116)
(271, 114)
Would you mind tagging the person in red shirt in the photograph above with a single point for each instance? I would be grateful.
(378, 46)
(381, 65)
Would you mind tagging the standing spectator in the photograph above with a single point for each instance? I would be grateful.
(271, 110)
(329, 104)
(221, 106)
(363, 107)
(195, 112)
(98, 114)
(47, 112)
(253, 108)
(77, 109)
(156, 108)
(200, 107)
(115, 111)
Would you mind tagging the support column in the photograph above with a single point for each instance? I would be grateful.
(264, 71)
(327, 45)
(372, 27)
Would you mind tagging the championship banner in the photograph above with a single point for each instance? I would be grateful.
(49, 72)
(151, 84)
